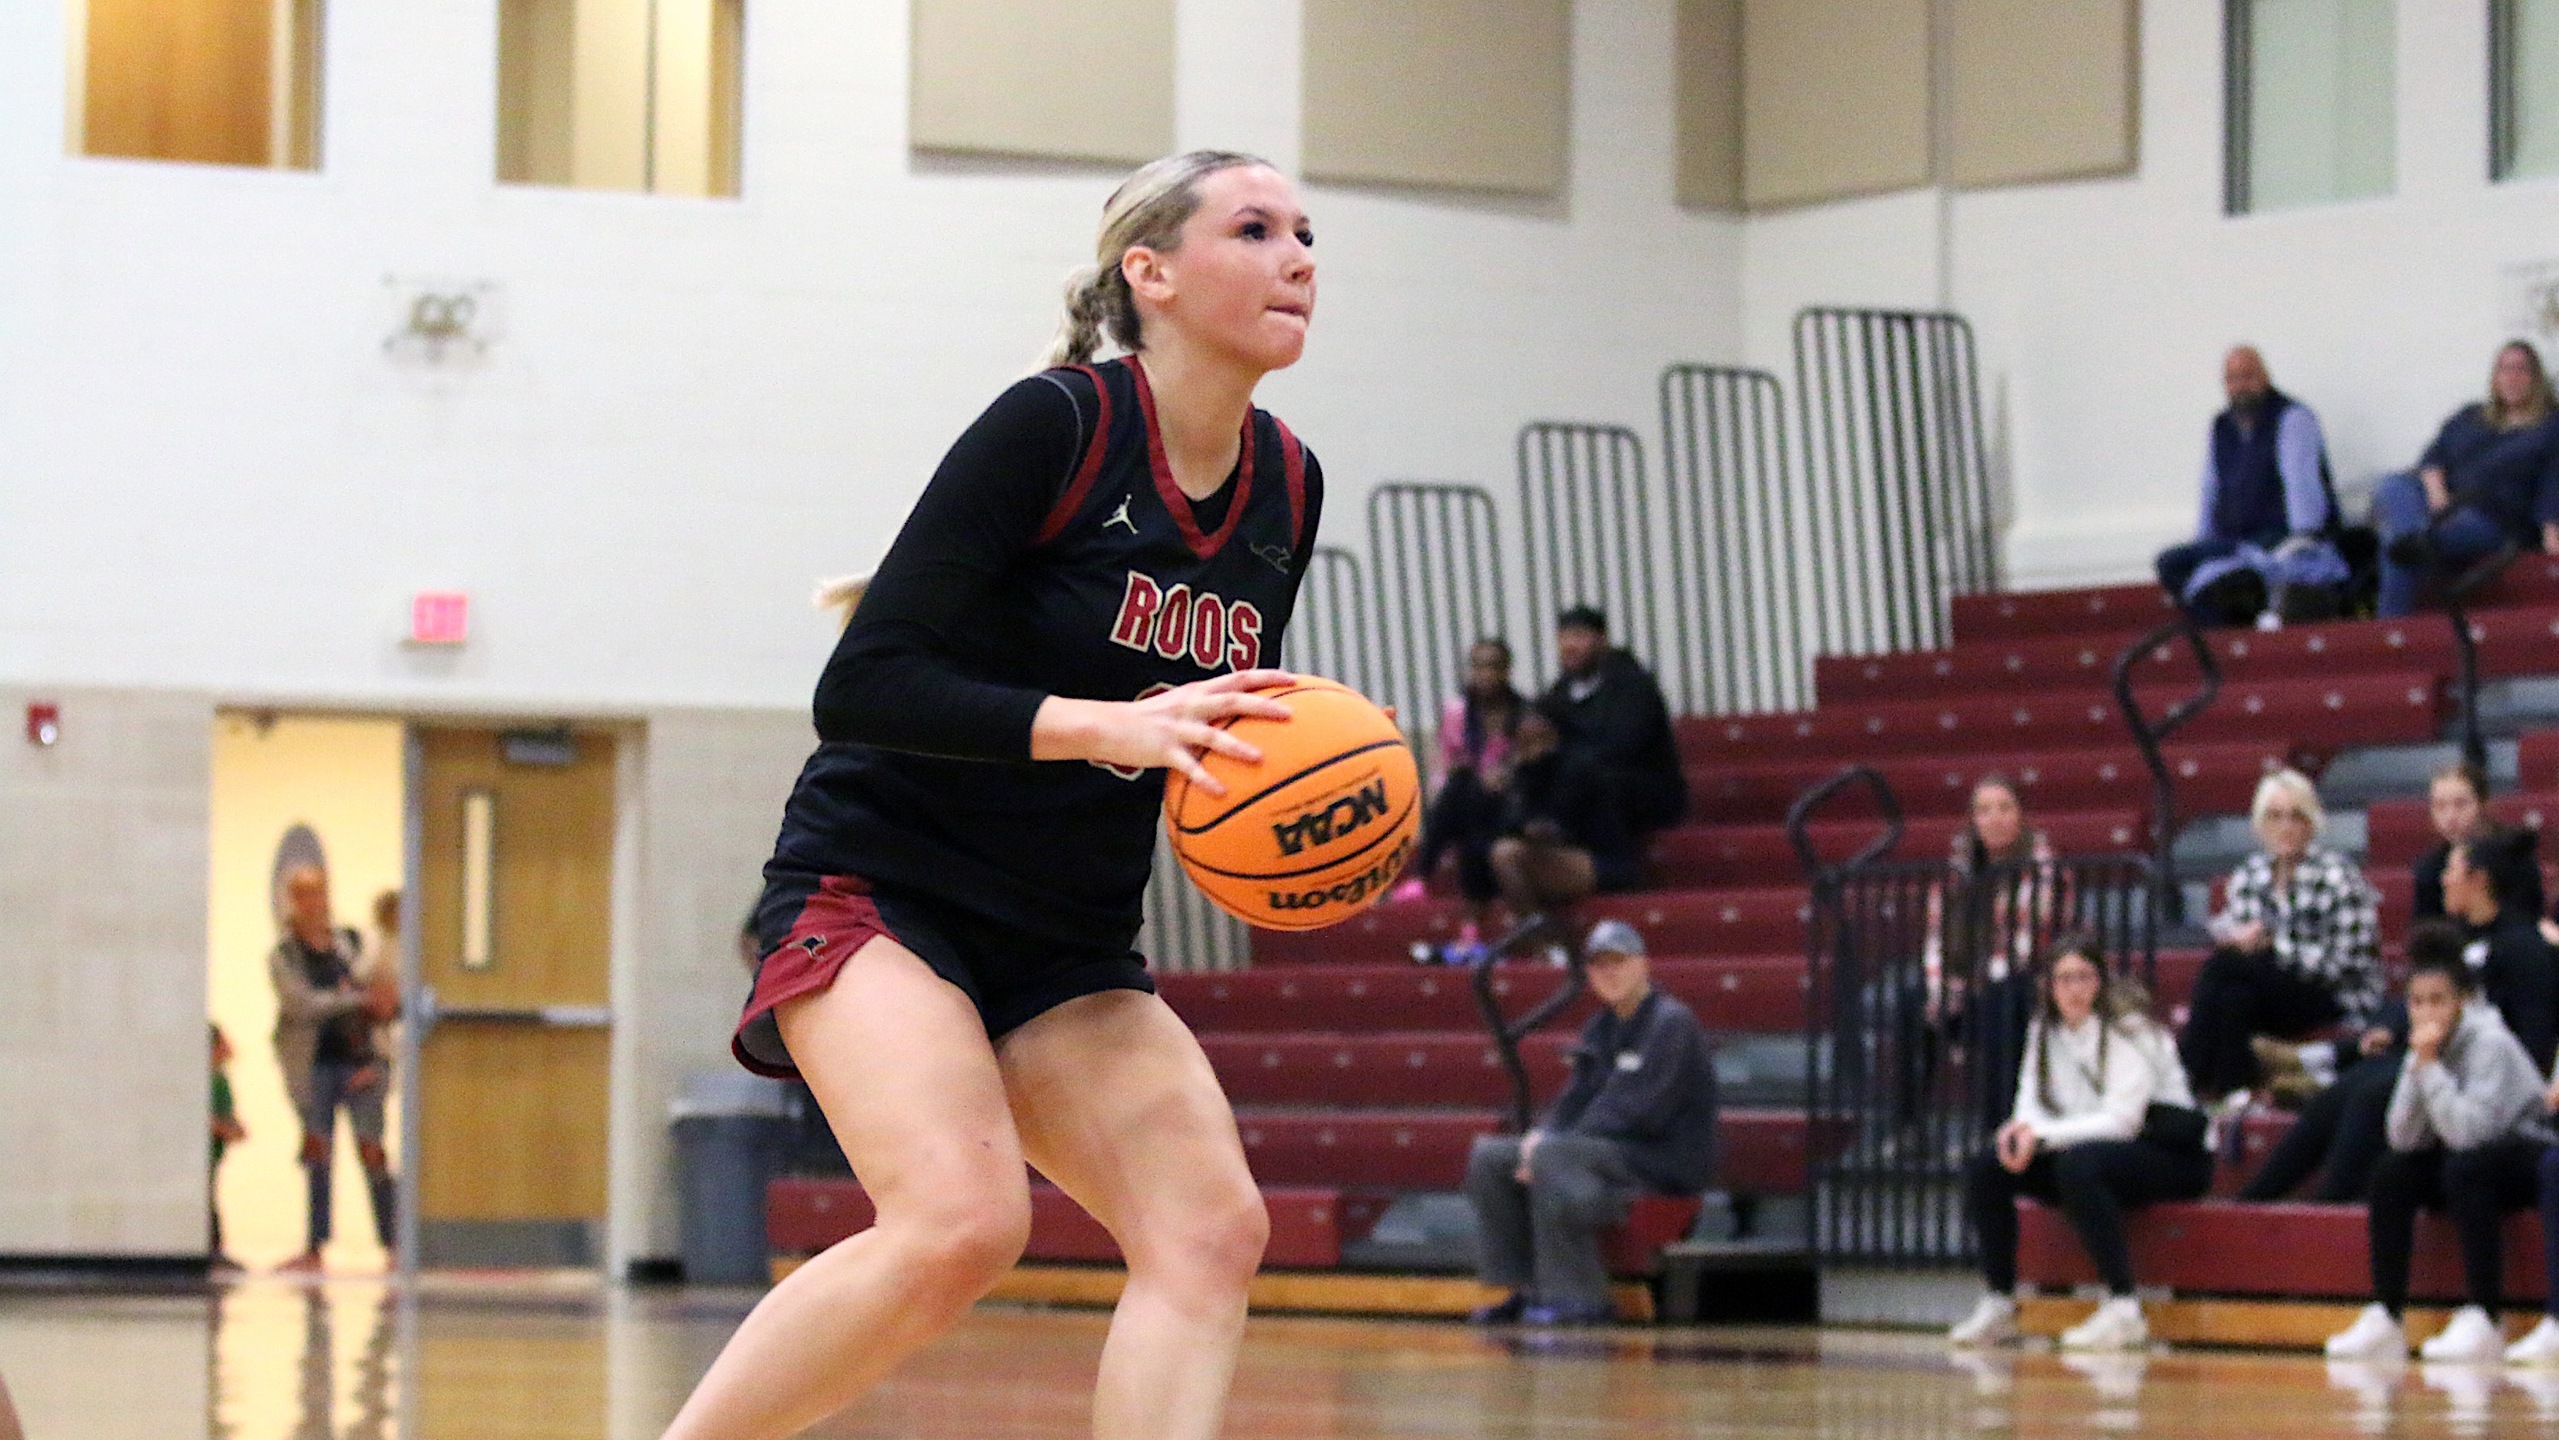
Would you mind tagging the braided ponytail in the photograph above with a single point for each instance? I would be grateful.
(1148, 210)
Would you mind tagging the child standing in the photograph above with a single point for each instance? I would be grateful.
(227, 1132)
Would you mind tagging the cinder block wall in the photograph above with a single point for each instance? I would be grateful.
(102, 974)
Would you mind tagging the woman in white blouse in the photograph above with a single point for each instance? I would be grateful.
(2104, 1121)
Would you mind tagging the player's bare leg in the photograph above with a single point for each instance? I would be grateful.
(1117, 1104)
(899, 1061)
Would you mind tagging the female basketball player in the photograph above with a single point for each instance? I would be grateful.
(1096, 574)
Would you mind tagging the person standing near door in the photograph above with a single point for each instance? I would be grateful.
(1090, 582)
(324, 1045)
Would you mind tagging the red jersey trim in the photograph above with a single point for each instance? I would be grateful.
(1091, 468)
(1293, 464)
(1175, 501)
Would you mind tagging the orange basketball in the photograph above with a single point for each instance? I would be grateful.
(1318, 830)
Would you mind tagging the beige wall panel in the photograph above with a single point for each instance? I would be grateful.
(2042, 89)
(537, 98)
(180, 79)
(1089, 81)
(1834, 99)
(1708, 52)
(1459, 94)
(103, 884)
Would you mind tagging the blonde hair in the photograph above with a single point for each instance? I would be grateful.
(2287, 784)
(843, 595)
(1149, 210)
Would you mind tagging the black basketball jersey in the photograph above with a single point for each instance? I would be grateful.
(1124, 587)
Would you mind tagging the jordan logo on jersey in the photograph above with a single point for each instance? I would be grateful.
(1177, 622)
(1120, 516)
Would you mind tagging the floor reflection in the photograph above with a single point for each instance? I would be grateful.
(568, 1358)
(303, 1362)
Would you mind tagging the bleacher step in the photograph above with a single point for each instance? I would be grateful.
(2358, 777)
(2510, 707)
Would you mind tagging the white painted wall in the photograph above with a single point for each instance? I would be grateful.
(2103, 306)
(212, 476)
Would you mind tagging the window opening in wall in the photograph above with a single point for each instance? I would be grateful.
(2523, 84)
(2313, 112)
(639, 95)
(219, 82)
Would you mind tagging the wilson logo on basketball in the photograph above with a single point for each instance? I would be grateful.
(1342, 817)
(1352, 892)
(1177, 622)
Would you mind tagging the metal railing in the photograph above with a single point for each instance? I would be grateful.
(2457, 593)
(1506, 1030)
(1332, 633)
(1737, 559)
(1897, 475)
(1922, 985)
(1587, 532)
(1436, 550)
(2150, 734)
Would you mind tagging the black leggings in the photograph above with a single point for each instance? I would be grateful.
(2477, 1187)
(2340, 1134)
(2094, 1182)
(1467, 818)
(2239, 996)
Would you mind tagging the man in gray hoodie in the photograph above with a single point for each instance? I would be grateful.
(2466, 1131)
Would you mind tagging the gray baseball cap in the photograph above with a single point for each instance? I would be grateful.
(1613, 937)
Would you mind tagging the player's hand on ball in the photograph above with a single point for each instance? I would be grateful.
(1172, 728)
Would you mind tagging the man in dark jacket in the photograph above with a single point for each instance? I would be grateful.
(1639, 1115)
(1615, 724)
(2269, 511)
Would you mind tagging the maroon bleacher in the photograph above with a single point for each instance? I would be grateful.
(2224, 1247)
(2105, 610)
(2327, 712)
(1758, 994)
(2511, 642)
(2538, 758)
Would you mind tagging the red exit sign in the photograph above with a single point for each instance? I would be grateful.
(440, 618)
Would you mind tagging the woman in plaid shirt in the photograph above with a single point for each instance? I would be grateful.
(2299, 945)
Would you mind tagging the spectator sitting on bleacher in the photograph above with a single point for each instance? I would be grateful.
(2456, 800)
(2297, 946)
(1638, 1115)
(2104, 1119)
(1615, 723)
(2490, 479)
(2269, 511)
(2340, 1132)
(2466, 1135)
(1562, 835)
(1465, 814)
(1988, 919)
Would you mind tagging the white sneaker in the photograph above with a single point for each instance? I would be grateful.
(1993, 1322)
(2541, 1347)
(2470, 1337)
(2117, 1325)
(2373, 1336)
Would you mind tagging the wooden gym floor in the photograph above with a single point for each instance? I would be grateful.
(533, 1359)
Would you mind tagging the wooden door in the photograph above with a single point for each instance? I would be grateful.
(515, 878)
